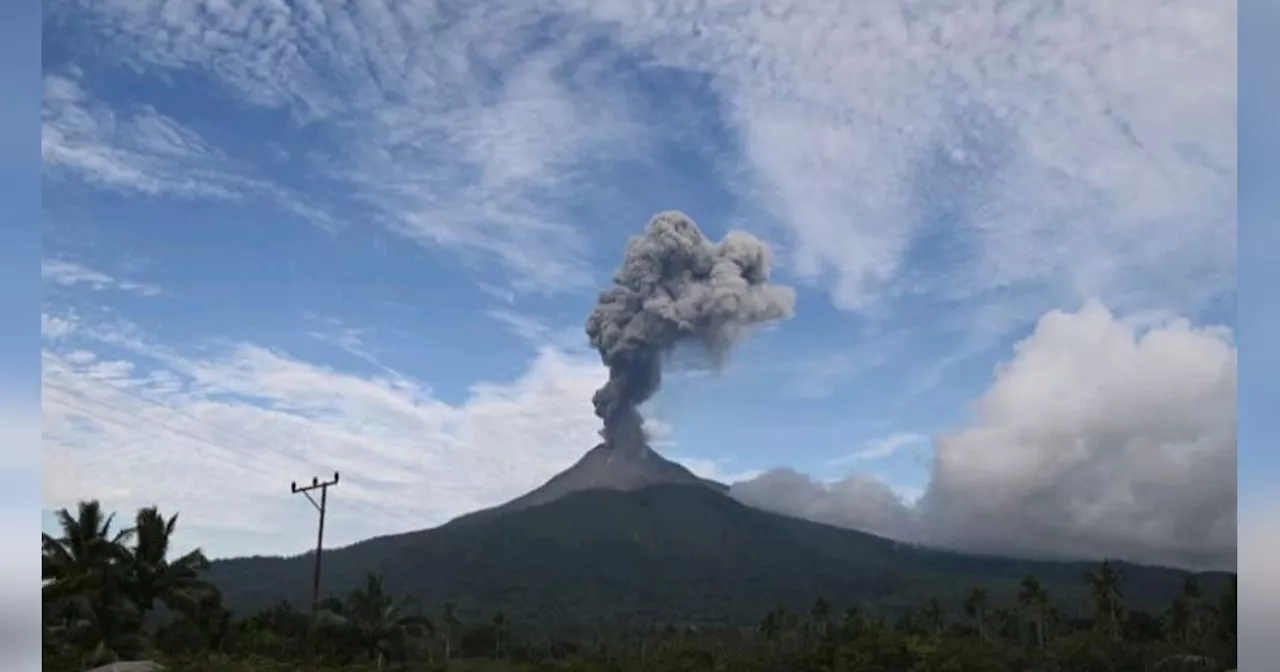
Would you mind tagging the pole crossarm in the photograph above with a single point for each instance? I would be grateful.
(315, 484)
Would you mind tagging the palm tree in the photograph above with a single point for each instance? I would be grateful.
(1193, 598)
(819, 614)
(499, 628)
(83, 574)
(1006, 622)
(852, 624)
(1033, 598)
(85, 556)
(451, 624)
(154, 578)
(933, 616)
(790, 628)
(1108, 600)
(375, 622)
(975, 607)
(771, 626)
(1226, 622)
(1176, 619)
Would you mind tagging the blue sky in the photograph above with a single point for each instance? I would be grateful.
(300, 237)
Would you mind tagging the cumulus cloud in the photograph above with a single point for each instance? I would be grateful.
(859, 501)
(133, 423)
(1100, 438)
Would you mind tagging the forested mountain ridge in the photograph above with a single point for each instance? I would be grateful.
(667, 552)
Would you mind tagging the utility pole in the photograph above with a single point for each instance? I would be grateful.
(323, 487)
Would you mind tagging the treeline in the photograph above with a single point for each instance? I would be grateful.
(112, 595)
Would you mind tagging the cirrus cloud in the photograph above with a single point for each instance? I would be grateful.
(1086, 147)
(133, 423)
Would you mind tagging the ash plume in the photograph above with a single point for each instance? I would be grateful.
(673, 287)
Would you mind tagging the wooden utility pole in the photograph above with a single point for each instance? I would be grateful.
(323, 487)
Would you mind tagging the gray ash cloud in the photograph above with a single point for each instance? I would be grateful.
(675, 286)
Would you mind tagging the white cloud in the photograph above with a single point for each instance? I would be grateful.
(1098, 439)
(1087, 148)
(888, 445)
(55, 327)
(162, 427)
(459, 126)
(720, 471)
(538, 332)
(66, 273)
(1014, 148)
(859, 501)
(1101, 437)
(145, 152)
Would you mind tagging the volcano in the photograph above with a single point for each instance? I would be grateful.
(605, 467)
(626, 537)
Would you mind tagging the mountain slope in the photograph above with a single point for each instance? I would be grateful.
(603, 468)
(667, 552)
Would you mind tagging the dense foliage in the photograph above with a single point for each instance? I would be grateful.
(100, 586)
(114, 595)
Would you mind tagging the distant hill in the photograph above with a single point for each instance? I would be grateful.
(680, 552)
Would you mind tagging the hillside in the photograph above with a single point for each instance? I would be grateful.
(667, 552)
(603, 468)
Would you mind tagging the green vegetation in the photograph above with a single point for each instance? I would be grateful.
(99, 587)
(112, 595)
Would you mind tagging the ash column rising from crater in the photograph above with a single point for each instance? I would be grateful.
(673, 287)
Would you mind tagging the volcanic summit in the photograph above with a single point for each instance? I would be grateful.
(674, 287)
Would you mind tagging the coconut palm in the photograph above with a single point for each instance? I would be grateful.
(374, 621)
(1226, 611)
(84, 573)
(499, 630)
(1193, 596)
(820, 615)
(1033, 600)
(449, 619)
(975, 607)
(932, 616)
(1108, 600)
(86, 557)
(154, 578)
